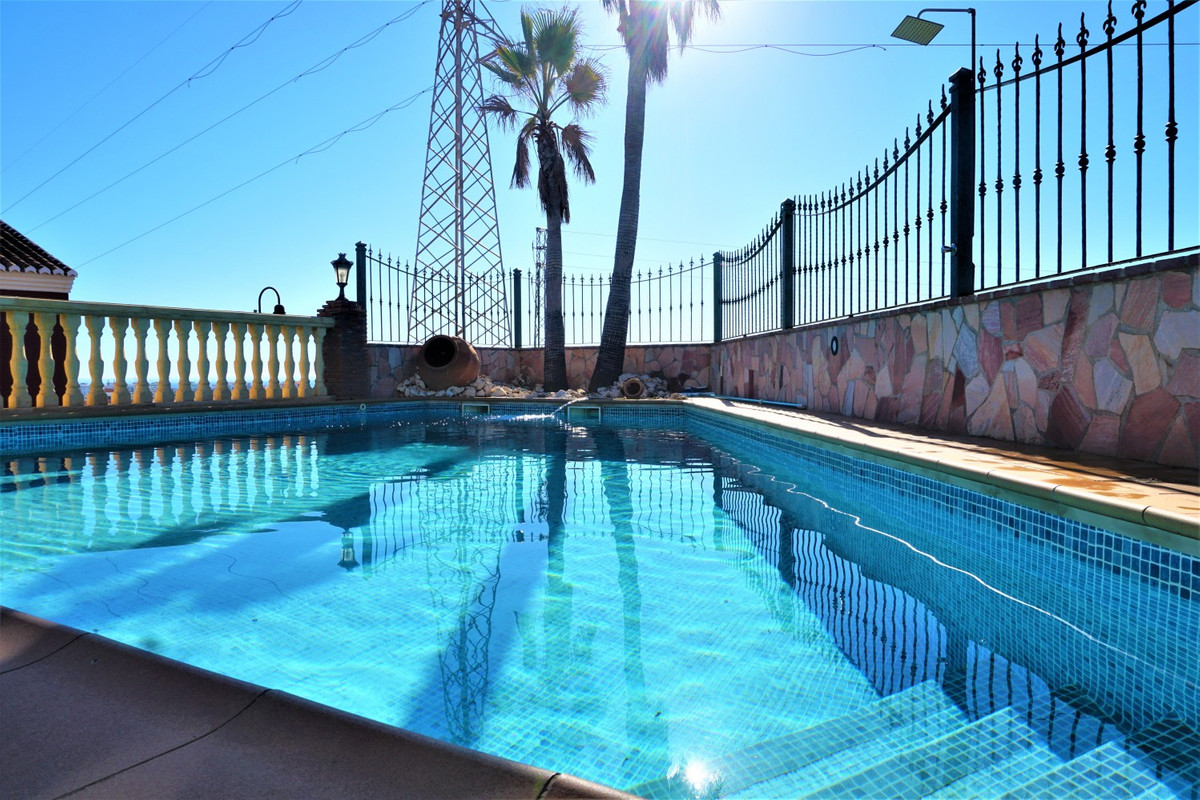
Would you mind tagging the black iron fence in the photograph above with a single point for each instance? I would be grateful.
(1075, 218)
(941, 214)
(407, 305)
(977, 195)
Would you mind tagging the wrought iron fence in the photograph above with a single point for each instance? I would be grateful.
(944, 213)
(1081, 224)
(910, 228)
(667, 305)
(476, 305)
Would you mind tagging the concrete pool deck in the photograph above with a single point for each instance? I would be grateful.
(84, 716)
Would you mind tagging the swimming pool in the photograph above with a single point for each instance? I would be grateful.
(635, 605)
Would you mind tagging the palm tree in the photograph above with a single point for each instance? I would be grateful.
(545, 73)
(645, 27)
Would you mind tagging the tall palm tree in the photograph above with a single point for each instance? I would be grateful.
(543, 74)
(645, 27)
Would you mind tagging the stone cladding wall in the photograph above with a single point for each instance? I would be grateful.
(1102, 363)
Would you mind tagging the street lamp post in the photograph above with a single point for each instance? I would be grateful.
(921, 31)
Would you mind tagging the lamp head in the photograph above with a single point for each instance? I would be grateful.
(341, 271)
(917, 30)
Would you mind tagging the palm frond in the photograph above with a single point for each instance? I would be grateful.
(502, 72)
(527, 33)
(585, 86)
(556, 35)
(500, 109)
(683, 17)
(520, 176)
(576, 144)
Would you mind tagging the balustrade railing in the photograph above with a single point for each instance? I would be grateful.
(64, 353)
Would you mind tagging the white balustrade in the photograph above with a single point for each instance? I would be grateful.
(95, 329)
(113, 331)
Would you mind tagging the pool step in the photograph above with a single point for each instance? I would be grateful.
(785, 755)
(802, 760)
(961, 755)
(1108, 771)
(1015, 770)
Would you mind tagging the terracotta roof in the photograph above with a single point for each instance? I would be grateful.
(19, 254)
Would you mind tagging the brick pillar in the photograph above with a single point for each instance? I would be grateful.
(345, 350)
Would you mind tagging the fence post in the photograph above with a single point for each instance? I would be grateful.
(718, 259)
(962, 183)
(360, 274)
(787, 264)
(516, 287)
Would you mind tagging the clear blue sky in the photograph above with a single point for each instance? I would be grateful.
(729, 136)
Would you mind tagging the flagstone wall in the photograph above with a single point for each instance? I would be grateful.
(1104, 363)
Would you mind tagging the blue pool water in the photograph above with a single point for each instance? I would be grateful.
(646, 608)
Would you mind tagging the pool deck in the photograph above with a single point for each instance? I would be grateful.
(85, 716)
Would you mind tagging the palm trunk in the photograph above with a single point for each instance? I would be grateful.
(554, 354)
(611, 358)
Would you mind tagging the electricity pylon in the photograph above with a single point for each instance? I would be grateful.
(460, 286)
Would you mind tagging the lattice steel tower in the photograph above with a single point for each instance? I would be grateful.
(460, 288)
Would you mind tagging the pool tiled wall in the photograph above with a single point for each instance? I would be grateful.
(1019, 572)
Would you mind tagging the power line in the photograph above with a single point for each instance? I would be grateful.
(205, 71)
(318, 148)
(321, 65)
(106, 86)
(644, 238)
(848, 47)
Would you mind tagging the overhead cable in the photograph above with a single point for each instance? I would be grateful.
(205, 71)
(318, 148)
(106, 86)
(323, 64)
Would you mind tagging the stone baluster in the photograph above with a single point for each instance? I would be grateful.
(319, 363)
(162, 394)
(273, 388)
(203, 388)
(96, 395)
(183, 392)
(221, 386)
(18, 364)
(303, 389)
(256, 364)
(72, 393)
(289, 361)
(46, 396)
(120, 394)
(240, 389)
(141, 364)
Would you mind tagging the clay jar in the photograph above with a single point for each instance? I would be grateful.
(633, 388)
(446, 361)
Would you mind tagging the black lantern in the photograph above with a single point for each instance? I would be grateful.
(278, 301)
(341, 268)
(348, 562)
